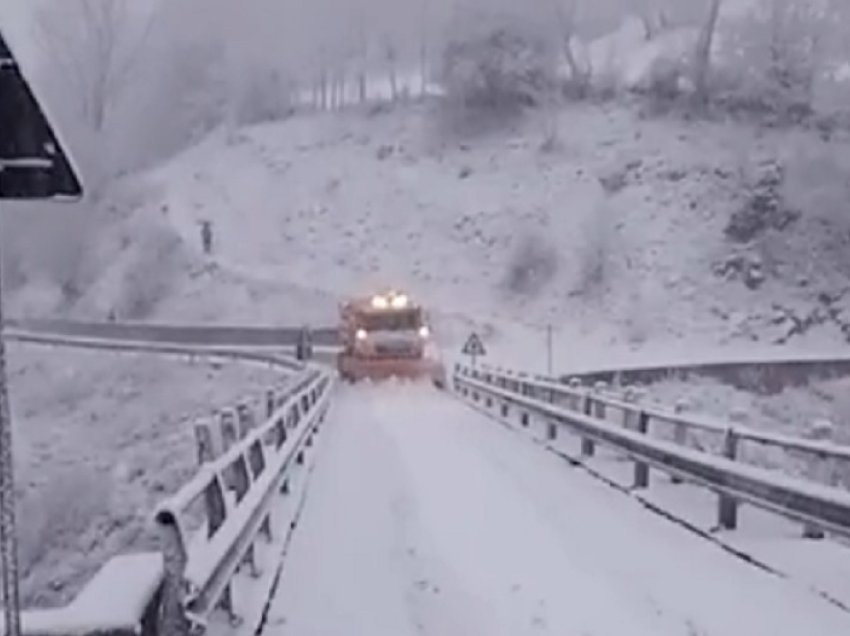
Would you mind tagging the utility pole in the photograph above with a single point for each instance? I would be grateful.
(34, 166)
(8, 533)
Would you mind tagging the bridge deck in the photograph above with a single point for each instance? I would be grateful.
(423, 517)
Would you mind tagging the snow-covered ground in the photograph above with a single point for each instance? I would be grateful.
(796, 411)
(793, 410)
(614, 238)
(100, 439)
(763, 538)
(424, 517)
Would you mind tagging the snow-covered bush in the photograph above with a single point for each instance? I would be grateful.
(498, 66)
(57, 516)
(14, 272)
(264, 97)
(157, 261)
(533, 264)
(771, 59)
(594, 253)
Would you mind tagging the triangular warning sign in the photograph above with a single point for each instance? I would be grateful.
(33, 164)
(474, 346)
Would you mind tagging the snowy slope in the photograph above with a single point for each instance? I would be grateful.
(98, 451)
(615, 238)
(499, 537)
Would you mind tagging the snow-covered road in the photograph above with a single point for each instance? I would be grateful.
(425, 517)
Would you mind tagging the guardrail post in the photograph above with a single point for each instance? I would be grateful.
(266, 528)
(599, 410)
(215, 506)
(245, 419)
(822, 470)
(229, 435)
(575, 397)
(551, 430)
(680, 432)
(225, 604)
(629, 414)
(269, 403)
(251, 561)
(727, 511)
(205, 443)
(588, 448)
(641, 476)
(172, 619)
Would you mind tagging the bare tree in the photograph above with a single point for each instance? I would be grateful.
(96, 45)
(423, 46)
(390, 51)
(566, 21)
(702, 55)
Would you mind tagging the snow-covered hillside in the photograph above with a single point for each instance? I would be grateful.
(99, 450)
(620, 237)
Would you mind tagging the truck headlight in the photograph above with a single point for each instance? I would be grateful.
(362, 334)
(400, 302)
(380, 302)
(424, 332)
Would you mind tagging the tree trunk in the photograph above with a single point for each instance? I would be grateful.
(649, 31)
(361, 86)
(423, 50)
(423, 68)
(393, 83)
(323, 90)
(702, 57)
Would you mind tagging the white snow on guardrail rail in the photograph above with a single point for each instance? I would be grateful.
(151, 594)
(827, 507)
(671, 417)
(238, 490)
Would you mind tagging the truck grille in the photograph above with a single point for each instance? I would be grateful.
(401, 349)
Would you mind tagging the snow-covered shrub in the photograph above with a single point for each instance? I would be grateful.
(594, 253)
(265, 97)
(532, 266)
(157, 260)
(14, 272)
(57, 513)
(770, 60)
(765, 207)
(497, 66)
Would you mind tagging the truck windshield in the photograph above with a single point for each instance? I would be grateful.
(392, 321)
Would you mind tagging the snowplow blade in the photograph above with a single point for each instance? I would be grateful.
(353, 369)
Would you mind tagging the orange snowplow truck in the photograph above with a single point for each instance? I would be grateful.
(386, 336)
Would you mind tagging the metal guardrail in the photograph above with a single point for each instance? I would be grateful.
(821, 507)
(680, 422)
(766, 373)
(176, 334)
(192, 350)
(237, 490)
(170, 592)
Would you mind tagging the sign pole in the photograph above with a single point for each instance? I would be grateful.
(8, 534)
(549, 350)
(34, 165)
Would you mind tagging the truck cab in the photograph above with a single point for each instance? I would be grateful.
(385, 335)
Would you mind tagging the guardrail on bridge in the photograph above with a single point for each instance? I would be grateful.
(176, 334)
(238, 490)
(587, 414)
(175, 591)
